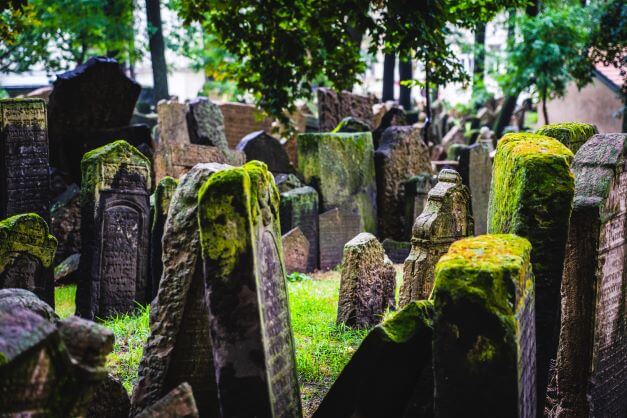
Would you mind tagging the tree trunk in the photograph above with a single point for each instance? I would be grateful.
(505, 115)
(157, 50)
(405, 73)
(427, 126)
(389, 62)
(479, 61)
(545, 112)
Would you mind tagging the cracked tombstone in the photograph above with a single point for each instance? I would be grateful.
(115, 230)
(245, 279)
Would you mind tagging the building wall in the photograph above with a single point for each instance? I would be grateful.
(596, 103)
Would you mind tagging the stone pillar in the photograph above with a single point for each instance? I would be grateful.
(484, 329)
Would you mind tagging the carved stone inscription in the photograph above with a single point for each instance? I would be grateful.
(277, 335)
(24, 158)
(21, 273)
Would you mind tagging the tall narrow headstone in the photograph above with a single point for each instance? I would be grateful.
(179, 346)
(115, 231)
(159, 206)
(341, 168)
(390, 374)
(445, 219)
(337, 227)
(24, 168)
(484, 329)
(416, 193)
(592, 357)
(475, 167)
(334, 106)
(299, 208)
(26, 253)
(401, 154)
(253, 356)
(571, 134)
(531, 196)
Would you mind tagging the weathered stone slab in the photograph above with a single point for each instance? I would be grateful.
(397, 251)
(179, 402)
(390, 374)
(245, 279)
(173, 121)
(333, 107)
(296, 250)
(393, 117)
(110, 400)
(265, 148)
(206, 124)
(454, 136)
(24, 168)
(475, 167)
(21, 298)
(66, 222)
(401, 154)
(592, 357)
(531, 196)
(416, 192)
(66, 271)
(115, 228)
(571, 134)
(179, 346)
(26, 254)
(337, 227)
(484, 329)
(366, 290)
(286, 182)
(445, 219)
(351, 124)
(299, 208)
(341, 168)
(240, 119)
(159, 206)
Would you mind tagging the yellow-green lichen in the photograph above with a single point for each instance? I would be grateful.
(26, 234)
(412, 318)
(571, 134)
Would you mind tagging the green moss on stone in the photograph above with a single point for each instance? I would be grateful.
(26, 234)
(571, 134)
(160, 199)
(405, 323)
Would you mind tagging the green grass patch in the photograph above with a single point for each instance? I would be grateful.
(64, 300)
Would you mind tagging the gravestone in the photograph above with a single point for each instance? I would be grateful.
(24, 168)
(265, 148)
(206, 124)
(571, 134)
(299, 208)
(333, 107)
(179, 402)
(159, 206)
(287, 182)
(351, 124)
(240, 119)
(401, 154)
(592, 356)
(173, 121)
(26, 254)
(110, 400)
(454, 136)
(179, 346)
(367, 289)
(484, 329)
(115, 230)
(66, 271)
(390, 374)
(337, 227)
(245, 279)
(475, 167)
(531, 196)
(416, 192)
(397, 251)
(21, 298)
(341, 168)
(296, 251)
(445, 219)
(394, 117)
(65, 222)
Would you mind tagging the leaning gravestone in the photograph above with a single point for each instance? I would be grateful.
(110, 400)
(115, 229)
(333, 107)
(351, 124)
(531, 196)
(159, 206)
(401, 154)
(341, 168)
(179, 403)
(296, 251)
(571, 134)
(179, 346)
(337, 227)
(390, 374)
(26, 253)
(445, 219)
(206, 124)
(475, 167)
(265, 148)
(24, 168)
(65, 222)
(416, 193)
(299, 208)
(254, 358)
(592, 356)
(368, 283)
(484, 329)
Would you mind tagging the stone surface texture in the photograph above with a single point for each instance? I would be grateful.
(296, 250)
(333, 107)
(265, 148)
(299, 208)
(571, 134)
(179, 403)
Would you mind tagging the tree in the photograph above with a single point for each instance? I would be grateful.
(157, 50)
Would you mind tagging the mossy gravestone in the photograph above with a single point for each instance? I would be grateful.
(368, 283)
(26, 253)
(401, 154)
(445, 219)
(179, 346)
(247, 296)
(114, 231)
(592, 357)
(341, 168)
(299, 208)
(571, 134)
(390, 374)
(484, 329)
(159, 206)
(531, 196)
(24, 167)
